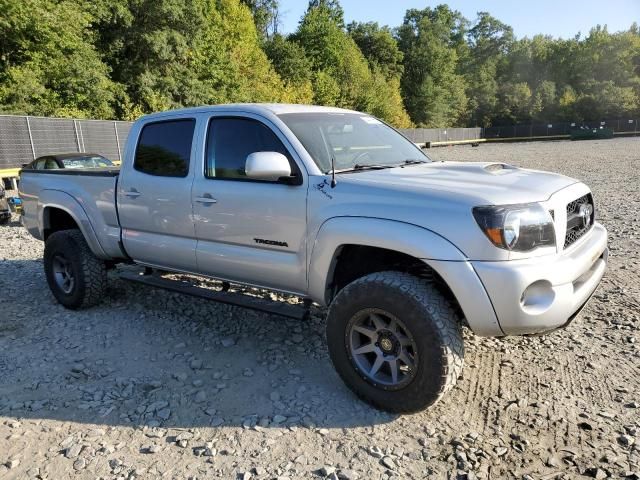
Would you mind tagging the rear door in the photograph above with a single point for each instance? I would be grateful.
(249, 231)
(154, 196)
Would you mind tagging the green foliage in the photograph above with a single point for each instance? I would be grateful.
(265, 15)
(332, 7)
(342, 75)
(48, 63)
(123, 58)
(228, 63)
(489, 41)
(433, 90)
(379, 47)
(292, 64)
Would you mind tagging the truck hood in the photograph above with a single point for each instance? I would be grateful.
(471, 183)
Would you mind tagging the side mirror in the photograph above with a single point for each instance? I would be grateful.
(269, 166)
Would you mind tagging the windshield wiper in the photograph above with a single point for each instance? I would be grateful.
(370, 166)
(364, 166)
(358, 167)
(413, 162)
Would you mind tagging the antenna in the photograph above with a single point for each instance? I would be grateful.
(333, 171)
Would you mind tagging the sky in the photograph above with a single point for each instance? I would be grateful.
(559, 18)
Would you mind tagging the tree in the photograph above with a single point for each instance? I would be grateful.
(379, 47)
(148, 45)
(122, 58)
(48, 64)
(342, 76)
(332, 7)
(229, 64)
(290, 62)
(515, 103)
(489, 43)
(171, 54)
(544, 103)
(432, 88)
(265, 15)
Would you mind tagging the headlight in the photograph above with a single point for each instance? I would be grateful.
(520, 228)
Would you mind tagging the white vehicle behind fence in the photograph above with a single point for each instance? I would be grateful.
(340, 209)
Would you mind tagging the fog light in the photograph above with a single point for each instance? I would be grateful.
(537, 297)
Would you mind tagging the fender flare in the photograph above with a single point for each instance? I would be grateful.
(434, 250)
(402, 237)
(67, 203)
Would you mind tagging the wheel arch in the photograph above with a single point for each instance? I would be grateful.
(384, 244)
(60, 211)
(396, 241)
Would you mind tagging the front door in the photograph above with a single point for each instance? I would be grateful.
(248, 231)
(154, 196)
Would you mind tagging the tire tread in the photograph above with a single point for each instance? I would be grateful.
(94, 272)
(444, 318)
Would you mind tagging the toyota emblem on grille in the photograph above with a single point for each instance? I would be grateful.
(585, 212)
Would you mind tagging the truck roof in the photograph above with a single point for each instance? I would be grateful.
(259, 108)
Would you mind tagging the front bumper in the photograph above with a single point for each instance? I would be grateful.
(544, 293)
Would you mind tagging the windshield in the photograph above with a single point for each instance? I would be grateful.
(93, 161)
(355, 140)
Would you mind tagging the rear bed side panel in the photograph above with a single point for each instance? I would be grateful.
(89, 199)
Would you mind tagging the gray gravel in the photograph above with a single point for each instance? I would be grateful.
(153, 384)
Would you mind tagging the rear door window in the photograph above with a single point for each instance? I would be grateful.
(164, 148)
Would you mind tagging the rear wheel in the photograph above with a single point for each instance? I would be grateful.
(76, 277)
(395, 340)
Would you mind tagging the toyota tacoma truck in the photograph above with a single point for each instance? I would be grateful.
(340, 209)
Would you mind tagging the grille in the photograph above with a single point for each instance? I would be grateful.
(579, 219)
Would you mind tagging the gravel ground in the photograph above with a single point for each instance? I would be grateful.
(153, 384)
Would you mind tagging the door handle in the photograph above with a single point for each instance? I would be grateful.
(206, 199)
(133, 193)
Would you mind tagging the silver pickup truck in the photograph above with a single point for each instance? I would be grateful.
(340, 209)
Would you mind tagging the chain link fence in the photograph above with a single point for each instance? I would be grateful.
(23, 138)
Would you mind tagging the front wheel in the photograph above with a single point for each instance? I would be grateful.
(76, 277)
(395, 341)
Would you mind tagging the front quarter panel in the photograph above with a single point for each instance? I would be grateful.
(434, 250)
(374, 232)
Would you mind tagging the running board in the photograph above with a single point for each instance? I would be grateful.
(237, 299)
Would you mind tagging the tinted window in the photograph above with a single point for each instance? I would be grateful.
(231, 140)
(164, 148)
(50, 164)
(39, 164)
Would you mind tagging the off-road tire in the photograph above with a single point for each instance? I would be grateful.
(89, 271)
(5, 220)
(434, 326)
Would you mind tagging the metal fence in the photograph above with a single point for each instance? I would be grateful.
(424, 135)
(24, 138)
(619, 126)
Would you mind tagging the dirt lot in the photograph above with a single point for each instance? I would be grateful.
(158, 385)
